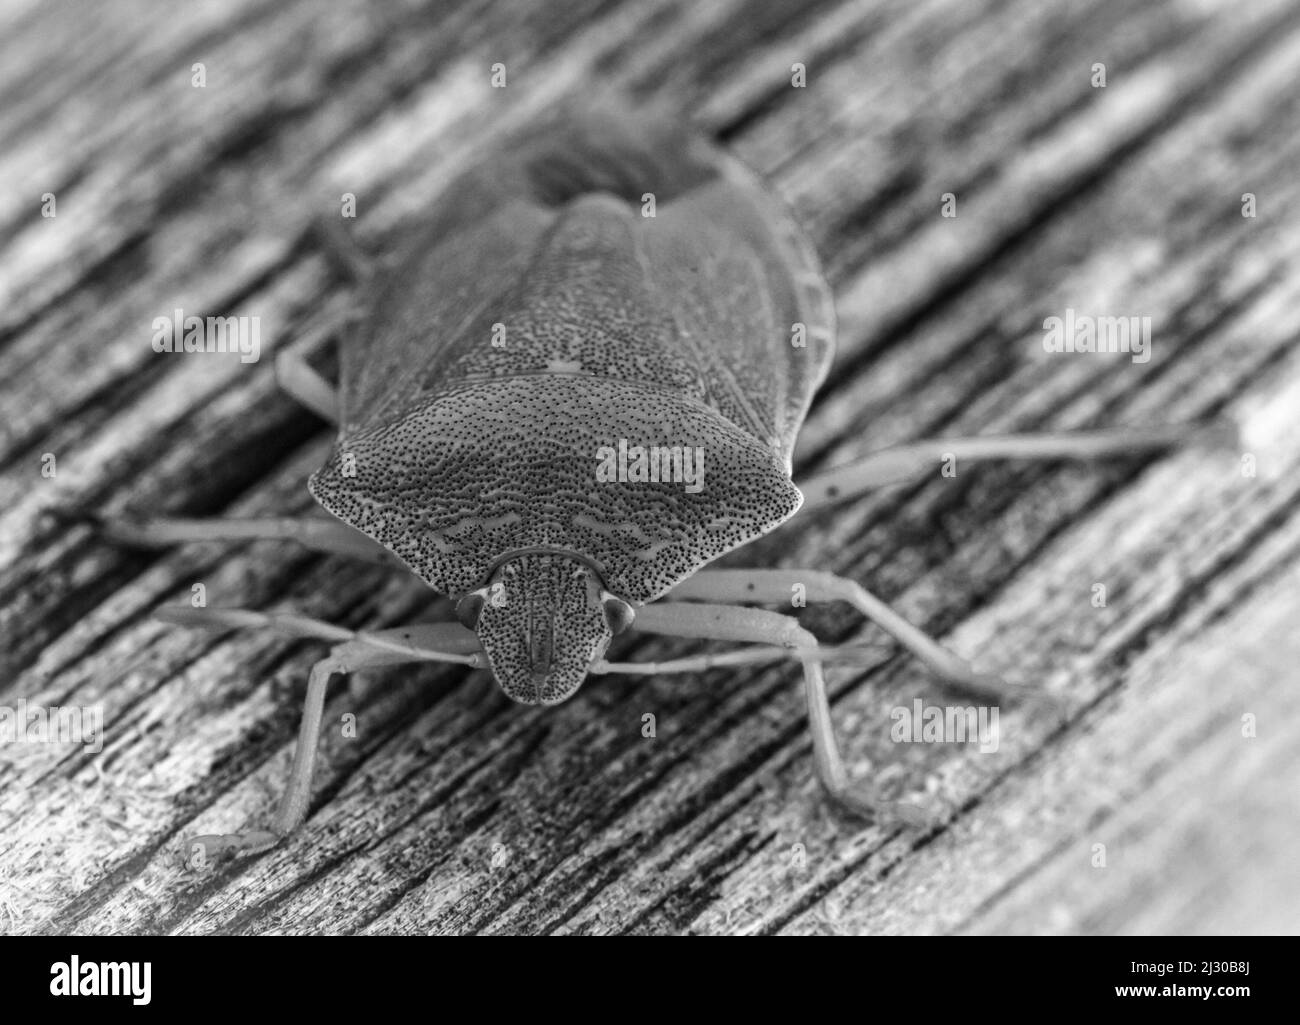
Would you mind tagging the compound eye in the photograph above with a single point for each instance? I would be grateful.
(469, 607)
(618, 613)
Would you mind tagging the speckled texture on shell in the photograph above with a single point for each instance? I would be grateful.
(672, 330)
(541, 639)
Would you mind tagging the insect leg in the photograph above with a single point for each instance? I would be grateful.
(297, 378)
(915, 459)
(754, 654)
(733, 623)
(297, 795)
(341, 249)
(441, 642)
(783, 586)
(324, 535)
(419, 642)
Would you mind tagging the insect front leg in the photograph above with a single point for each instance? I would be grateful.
(297, 795)
(733, 623)
(902, 463)
(429, 642)
(779, 586)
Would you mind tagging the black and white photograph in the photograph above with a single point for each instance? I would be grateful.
(651, 468)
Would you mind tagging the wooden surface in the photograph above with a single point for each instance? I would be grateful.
(454, 811)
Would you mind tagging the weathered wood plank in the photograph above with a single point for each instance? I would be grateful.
(1119, 201)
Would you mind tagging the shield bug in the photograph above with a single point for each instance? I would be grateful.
(581, 385)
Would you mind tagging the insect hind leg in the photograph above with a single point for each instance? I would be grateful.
(342, 250)
(901, 463)
(299, 379)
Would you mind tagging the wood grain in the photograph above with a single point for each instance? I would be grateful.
(454, 811)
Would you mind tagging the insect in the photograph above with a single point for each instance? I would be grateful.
(589, 297)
